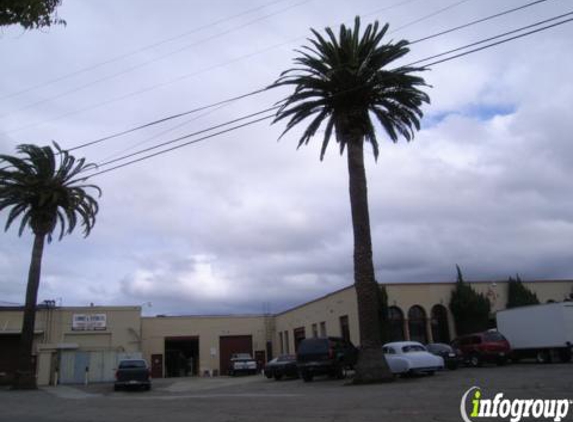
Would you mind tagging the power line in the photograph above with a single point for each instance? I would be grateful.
(487, 18)
(163, 132)
(501, 42)
(139, 50)
(494, 38)
(182, 145)
(258, 91)
(165, 119)
(186, 76)
(147, 62)
(431, 15)
(271, 116)
(209, 129)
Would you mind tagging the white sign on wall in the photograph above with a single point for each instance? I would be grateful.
(89, 322)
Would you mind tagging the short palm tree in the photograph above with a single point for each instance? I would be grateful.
(345, 86)
(42, 189)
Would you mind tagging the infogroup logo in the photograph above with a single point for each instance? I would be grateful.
(513, 410)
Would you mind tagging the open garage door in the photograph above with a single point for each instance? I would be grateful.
(9, 344)
(181, 356)
(233, 344)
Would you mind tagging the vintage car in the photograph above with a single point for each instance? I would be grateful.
(409, 357)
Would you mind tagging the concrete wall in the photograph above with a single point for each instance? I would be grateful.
(128, 332)
(207, 329)
(54, 333)
(327, 309)
(54, 326)
(404, 296)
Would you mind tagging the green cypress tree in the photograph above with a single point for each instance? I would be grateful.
(518, 294)
(470, 309)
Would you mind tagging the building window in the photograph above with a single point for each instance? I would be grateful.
(281, 341)
(440, 328)
(417, 324)
(323, 329)
(395, 324)
(344, 328)
(314, 330)
(287, 343)
(298, 336)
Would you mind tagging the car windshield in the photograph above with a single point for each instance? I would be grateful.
(413, 348)
(130, 364)
(313, 346)
(493, 336)
(241, 356)
(286, 358)
(438, 347)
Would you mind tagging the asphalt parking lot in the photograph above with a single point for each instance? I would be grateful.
(256, 398)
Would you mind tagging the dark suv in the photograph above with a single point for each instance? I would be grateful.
(489, 346)
(325, 356)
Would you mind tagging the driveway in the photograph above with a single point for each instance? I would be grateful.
(257, 399)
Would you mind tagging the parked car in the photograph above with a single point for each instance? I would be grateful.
(132, 373)
(325, 356)
(281, 366)
(242, 363)
(452, 357)
(488, 346)
(408, 357)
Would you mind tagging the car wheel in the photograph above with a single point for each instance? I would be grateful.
(147, 387)
(278, 377)
(431, 373)
(475, 360)
(116, 388)
(307, 376)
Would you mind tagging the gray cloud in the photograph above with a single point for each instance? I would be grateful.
(242, 220)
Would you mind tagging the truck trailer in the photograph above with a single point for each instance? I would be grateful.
(543, 332)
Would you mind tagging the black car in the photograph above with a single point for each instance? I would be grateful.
(325, 356)
(452, 357)
(132, 373)
(282, 366)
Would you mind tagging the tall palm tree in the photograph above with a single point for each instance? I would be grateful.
(43, 189)
(345, 86)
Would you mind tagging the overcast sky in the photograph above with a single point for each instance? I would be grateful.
(242, 223)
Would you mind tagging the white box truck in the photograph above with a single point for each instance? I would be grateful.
(543, 332)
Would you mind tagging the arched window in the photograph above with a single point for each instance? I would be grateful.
(395, 324)
(440, 328)
(417, 324)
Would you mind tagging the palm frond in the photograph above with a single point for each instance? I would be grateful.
(345, 79)
(42, 188)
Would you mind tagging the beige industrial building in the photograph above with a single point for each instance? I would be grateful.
(70, 339)
(79, 344)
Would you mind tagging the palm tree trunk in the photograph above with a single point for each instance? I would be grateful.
(372, 366)
(25, 377)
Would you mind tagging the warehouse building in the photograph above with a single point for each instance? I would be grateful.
(75, 344)
(72, 344)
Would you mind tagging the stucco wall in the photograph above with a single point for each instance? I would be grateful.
(122, 333)
(327, 309)
(208, 329)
